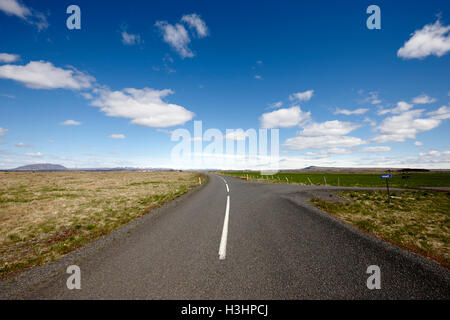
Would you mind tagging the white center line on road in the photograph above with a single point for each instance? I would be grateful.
(223, 241)
(226, 184)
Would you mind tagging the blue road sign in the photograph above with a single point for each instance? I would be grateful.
(386, 176)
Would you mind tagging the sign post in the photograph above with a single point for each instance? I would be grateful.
(387, 177)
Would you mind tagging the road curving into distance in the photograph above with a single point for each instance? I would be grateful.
(236, 239)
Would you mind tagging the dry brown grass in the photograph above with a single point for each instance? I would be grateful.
(415, 220)
(44, 215)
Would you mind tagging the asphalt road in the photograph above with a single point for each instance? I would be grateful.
(277, 246)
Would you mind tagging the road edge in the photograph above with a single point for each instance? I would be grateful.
(15, 286)
(426, 264)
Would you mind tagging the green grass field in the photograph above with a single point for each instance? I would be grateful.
(426, 179)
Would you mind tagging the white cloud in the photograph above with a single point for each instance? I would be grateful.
(144, 106)
(370, 121)
(8, 57)
(320, 154)
(31, 16)
(432, 39)
(275, 105)
(382, 112)
(373, 98)
(284, 118)
(404, 126)
(423, 99)
(117, 136)
(302, 96)
(87, 95)
(440, 114)
(43, 75)
(195, 22)
(258, 77)
(22, 145)
(13, 7)
(329, 134)
(130, 39)
(177, 37)
(376, 149)
(335, 128)
(320, 142)
(351, 112)
(402, 106)
(169, 132)
(3, 131)
(435, 156)
(418, 144)
(70, 123)
(338, 151)
(34, 154)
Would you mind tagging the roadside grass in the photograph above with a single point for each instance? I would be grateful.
(343, 179)
(414, 220)
(45, 215)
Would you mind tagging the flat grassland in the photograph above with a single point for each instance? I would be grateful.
(45, 215)
(343, 179)
(415, 220)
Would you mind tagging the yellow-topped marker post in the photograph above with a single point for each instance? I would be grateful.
(199, 180)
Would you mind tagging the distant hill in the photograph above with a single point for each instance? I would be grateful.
(343, 169)
(41, 167)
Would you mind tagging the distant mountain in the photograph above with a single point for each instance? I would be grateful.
(343, 169)
(41, 167)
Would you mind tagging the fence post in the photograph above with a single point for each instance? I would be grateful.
(389, 195)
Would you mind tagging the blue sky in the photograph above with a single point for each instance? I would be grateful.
(339, 93)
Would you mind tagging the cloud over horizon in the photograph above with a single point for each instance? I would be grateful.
(328, 134)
